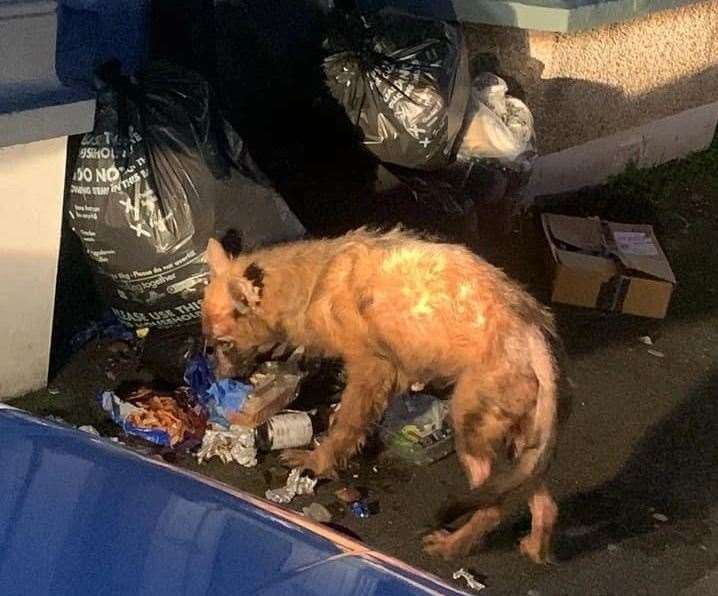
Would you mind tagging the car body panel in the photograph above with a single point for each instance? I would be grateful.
(82, 515)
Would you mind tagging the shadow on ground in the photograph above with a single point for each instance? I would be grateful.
(673, 470)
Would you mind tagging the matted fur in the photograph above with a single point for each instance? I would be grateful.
(399, 309)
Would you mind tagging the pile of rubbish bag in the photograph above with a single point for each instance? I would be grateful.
(405, 84)
(163, 170)
(349, 106)
(160, 174)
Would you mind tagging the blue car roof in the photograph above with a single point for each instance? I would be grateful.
(80, 515)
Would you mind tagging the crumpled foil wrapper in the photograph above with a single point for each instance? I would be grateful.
(234, 444)
(469, 578)
(296, 485)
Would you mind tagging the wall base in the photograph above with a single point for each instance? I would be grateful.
(656, 142)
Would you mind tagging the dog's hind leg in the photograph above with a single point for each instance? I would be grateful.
(370, 381)
(484, 409)
(544, 512)
(459, 543)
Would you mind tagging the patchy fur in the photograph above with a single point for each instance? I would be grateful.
(401, 310)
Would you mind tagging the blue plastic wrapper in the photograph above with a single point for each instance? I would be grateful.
(199, 376)
(108, 327)
(227, 396)
(119, 410)
(219, 397)
(360, 509)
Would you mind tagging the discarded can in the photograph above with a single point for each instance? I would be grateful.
(285, 431)
(360, 509)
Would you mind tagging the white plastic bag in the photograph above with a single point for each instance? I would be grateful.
(499, 127)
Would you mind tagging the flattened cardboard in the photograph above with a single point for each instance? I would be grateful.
(578, 232)
(265, 403)
(656, 265)
(627, 272)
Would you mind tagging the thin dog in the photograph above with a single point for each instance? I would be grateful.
(401, 310)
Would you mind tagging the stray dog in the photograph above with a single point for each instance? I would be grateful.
(400, 310)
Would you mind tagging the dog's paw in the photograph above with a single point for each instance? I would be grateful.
(441, 544)
(295, 458)
(312, 461)
(536, 551)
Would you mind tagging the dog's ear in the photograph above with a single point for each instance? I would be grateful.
(232, 242)
(247, 288)
(217, 258)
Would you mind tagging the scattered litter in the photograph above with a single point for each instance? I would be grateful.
(108, 327)
(286, 430)
(360, 509)
(271, 389)
(222, 398)
(347, 494)
(164, 419)
(414, 428)
(234, 444)
(660, 517)
(612, 548)
(656, 353)
(296, 485)
(275, 386)
(318, 513)
(645, 339)
(89, 429)
(471, 581)
(198, 374)
(226, 397)
(533, 592)
(375, 469)
(53, 391)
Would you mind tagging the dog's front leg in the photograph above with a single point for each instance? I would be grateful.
(370, 381)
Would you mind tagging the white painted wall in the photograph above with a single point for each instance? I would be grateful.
(31, 189)
(36, 115)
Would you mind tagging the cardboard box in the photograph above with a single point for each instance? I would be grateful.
(610, 266)
(266, 401)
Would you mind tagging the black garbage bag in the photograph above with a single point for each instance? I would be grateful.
(403, 81)
(160, 174)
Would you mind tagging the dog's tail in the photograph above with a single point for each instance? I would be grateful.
(534, 456)
(535, 446)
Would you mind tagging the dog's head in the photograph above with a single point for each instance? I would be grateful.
(232, 320)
